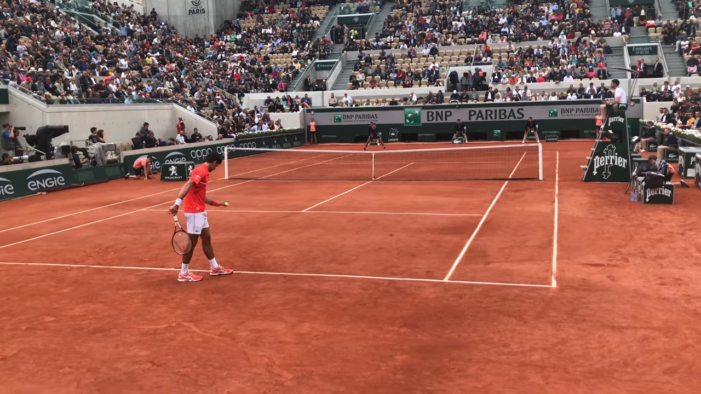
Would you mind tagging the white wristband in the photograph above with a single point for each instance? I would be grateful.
(178, 202)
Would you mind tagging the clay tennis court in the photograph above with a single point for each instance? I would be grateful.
(355, 286)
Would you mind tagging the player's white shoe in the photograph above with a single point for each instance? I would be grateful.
(220, 271)
(188, 277)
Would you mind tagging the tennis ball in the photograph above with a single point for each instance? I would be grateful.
(226, 204)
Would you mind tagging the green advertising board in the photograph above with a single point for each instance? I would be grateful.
(642, 50)
(197, 152)
(354, 19)
(177, 172)
(324, 65)
(485, 121)
(35, 180)
(609, 163)
(4, 96)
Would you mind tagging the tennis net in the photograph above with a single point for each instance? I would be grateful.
(517, 161)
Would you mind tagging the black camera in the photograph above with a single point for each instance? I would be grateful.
(21, 128)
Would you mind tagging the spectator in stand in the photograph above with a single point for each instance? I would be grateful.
(101, 136)
(144, 131)
(92, 138)
(77, 161)
(306, 100)
(196, 136)
(150, 140)
(180, 130)
(332, 101)
(136, 142)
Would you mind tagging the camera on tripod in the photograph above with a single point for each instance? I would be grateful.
(41, 142)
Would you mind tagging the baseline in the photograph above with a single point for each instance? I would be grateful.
(280, 274)
(336, 212)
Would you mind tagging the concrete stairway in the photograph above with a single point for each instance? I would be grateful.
(598, 10)
(344, 76)
(669, 11)
(616, 59)
(379, 21)
(675, 62)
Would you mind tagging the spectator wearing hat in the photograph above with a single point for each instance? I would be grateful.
(455, 97)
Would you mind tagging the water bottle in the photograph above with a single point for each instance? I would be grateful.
(634, 195)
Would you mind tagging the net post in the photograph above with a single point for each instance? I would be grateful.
(226, 162)
(540, 162)
(373, 166)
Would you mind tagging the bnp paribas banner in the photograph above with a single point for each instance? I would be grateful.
(422, 115)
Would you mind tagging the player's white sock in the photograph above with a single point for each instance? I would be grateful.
(183, 269)
(213, 263)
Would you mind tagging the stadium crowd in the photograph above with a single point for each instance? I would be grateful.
(425, 25)
(139, 58)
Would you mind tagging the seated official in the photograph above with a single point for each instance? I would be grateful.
(619, 101)
(650, 135)
(662, 167)
(669, 142)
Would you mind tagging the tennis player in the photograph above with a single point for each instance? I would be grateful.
(195, 195)
(142, 169)
(374, 136)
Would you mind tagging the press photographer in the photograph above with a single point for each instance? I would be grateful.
(10, 141)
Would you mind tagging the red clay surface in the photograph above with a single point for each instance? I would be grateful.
(623, 319)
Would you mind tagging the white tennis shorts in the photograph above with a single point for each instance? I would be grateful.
(196, 222)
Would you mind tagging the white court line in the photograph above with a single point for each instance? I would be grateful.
(386, 278)
(357, 187)
(484, 218)
(126, 201)
(555, 220)
(336, 212)
(87, 210)
(143, 209)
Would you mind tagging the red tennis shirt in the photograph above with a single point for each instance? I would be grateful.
(194, 200)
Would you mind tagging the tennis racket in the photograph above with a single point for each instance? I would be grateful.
(181, 240)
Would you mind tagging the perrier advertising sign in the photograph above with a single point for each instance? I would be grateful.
(610, 162)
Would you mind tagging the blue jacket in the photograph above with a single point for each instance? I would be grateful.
(650, 133)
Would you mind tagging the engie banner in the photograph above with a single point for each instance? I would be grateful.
(24, 182)
(197, 152)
